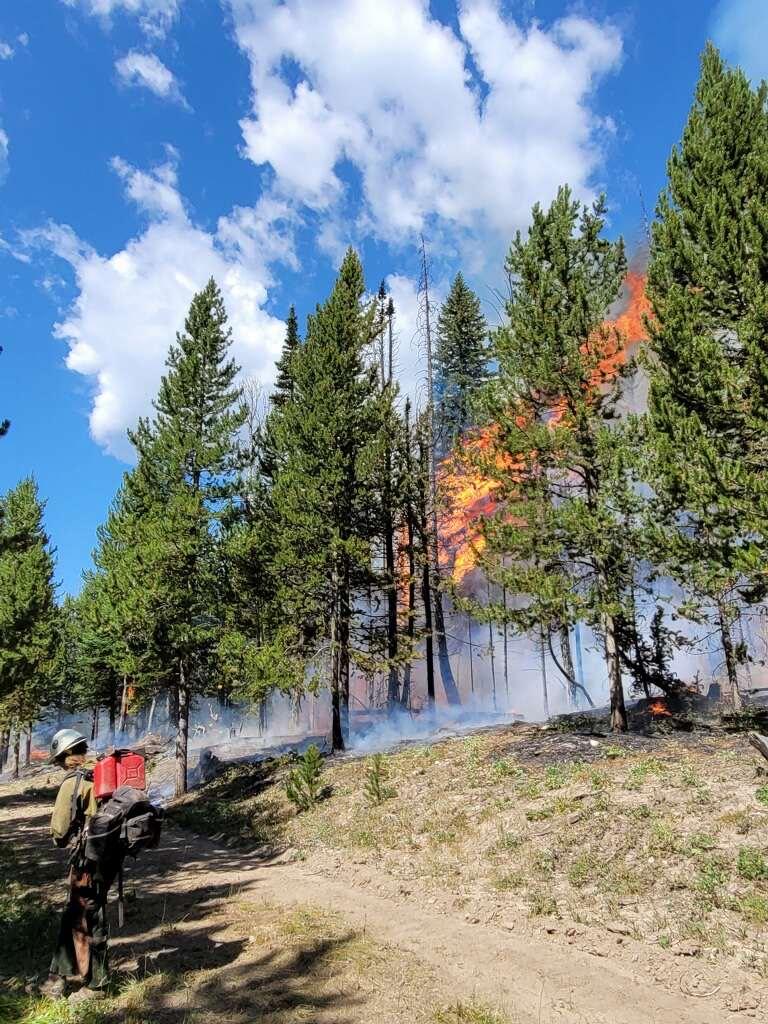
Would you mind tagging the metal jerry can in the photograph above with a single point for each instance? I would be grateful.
(121, 768)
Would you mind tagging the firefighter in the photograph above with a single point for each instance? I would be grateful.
(81, 948)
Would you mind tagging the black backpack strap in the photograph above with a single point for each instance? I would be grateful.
(75, 792)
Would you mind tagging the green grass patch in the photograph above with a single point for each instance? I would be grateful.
(585, 869)
(713, 873)
(754, 908)
(700, 842)
(640, 772)
(751, 864)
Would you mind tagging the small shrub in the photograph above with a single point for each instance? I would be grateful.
(376, 788)
(583, 870)
(542, 904)
(302, 787)
(665, 942)
(613, 751)
(508, 881)
(712, 875)
(663, 837)
(468, 1013)
(741, 821)
(689, 775)
(700, 842)
(751, 864)
(505, 768)
(754, 908)
(555, 777)
(640, 813)
(539, 814)
(762, 795)
(507, 842)
(638, 773)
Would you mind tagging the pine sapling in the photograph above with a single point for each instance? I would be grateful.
(302, 787)
(376, 788)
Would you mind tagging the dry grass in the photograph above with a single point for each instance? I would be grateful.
(669, 846)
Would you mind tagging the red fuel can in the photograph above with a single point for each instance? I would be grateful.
(122, 768)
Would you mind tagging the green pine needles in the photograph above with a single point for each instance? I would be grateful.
(376, 789)
(303, 785)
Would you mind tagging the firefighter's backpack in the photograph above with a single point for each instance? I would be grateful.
(126, 824)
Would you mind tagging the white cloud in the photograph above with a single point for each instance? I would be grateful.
(155, 16)
(148, 71)
(6, 50)
(130, 304)
(5, 146)
(740, 27)
(23, 39)
(410, 336)
(386, 87)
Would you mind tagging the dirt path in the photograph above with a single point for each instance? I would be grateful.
(222, 913)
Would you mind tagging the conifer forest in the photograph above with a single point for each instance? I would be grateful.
(444, 646)
(587, 475)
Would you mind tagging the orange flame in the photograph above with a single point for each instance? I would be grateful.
(468, 496)
(659, 709)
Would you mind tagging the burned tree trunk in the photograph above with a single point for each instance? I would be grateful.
(410, 625)
(28, 747)
(426, 576)
(616, 688)
(16, 752)
(446, 672)
(393, 686)
(182, 730)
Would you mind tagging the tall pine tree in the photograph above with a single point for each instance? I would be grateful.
(707, 424)
(185, 479)
(323, 494)
(283, 389)
(461, 362)
(28, 628)
(562, 536)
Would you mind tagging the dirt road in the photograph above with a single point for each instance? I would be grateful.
(217, 934)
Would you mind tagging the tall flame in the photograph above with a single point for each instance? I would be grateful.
(469, 496)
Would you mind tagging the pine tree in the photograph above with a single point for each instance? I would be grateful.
(323, 493)
(283, 389)
(179, 492)
(28, 628)
(707, 424)
(562, 538)
(4, 424)
(461, 362)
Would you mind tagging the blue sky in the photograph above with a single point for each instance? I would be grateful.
(146, 144)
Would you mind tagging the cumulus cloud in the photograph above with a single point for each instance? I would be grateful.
(130, 304)
(155, 16)
(464, 131)
(147, 71)
(739, 28)
(6, 50)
